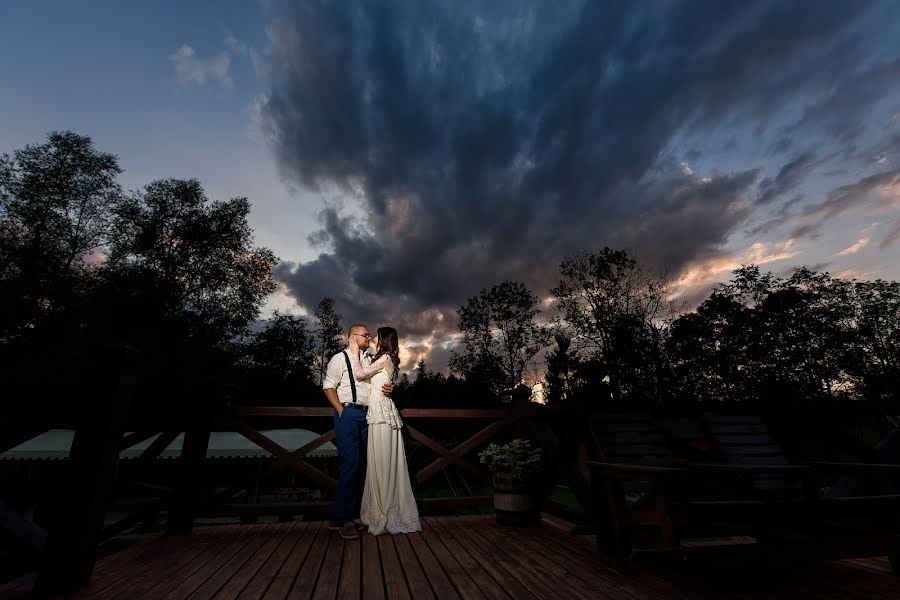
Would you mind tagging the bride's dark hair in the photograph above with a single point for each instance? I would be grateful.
(388, 344)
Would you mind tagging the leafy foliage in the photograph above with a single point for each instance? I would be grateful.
(500, 336)
(86, 269)
(280, 357)
(761, 339)
(519, 458)
(57, 202)
(617, 312)
(330, 335)
(181, 257)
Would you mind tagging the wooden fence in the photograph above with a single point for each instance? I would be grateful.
(65, 550)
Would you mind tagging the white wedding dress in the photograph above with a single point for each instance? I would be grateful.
(388, 503)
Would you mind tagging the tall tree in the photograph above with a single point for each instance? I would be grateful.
(500, 335)
(619, 311)
(763, 339)
(280, 357)
(422, 372)
(284, 347)
(329, 333)
(57, 202)
(876, 357)
(562, 368)
(187, 261)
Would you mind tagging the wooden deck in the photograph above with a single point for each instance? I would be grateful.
(454, 557)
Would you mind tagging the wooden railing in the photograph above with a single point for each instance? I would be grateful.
(521, 419)
(92, 477)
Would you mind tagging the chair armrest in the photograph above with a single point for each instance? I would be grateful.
(856, 467)
(730, 468)
(633, 472)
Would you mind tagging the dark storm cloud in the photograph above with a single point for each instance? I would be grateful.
(486, 140)
(791, 175)
(855, 195)
(674, 206)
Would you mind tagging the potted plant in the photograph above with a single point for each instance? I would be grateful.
(514, 466)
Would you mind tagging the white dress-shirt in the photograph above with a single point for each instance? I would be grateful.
(337, 377)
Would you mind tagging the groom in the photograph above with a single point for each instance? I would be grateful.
(350, 399)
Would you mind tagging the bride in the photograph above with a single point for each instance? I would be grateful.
(388, 503)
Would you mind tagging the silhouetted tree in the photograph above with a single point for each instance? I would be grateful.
(802, 340)
(284, 347)
(562, 365)
(184, 261)
(500, 335)
(280, 358)
(875, 361)
(329, 333)
(57, 201)
(422, 372)
(618, 311)
(82, 266)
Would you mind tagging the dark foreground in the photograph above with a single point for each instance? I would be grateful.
(454, 557)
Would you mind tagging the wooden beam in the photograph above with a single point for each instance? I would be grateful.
(444, 452)
(159, 444)
(136, 437)
(26, 532)
(80, 509)
(465, 447)
(454, 413)
(299, 465)
(326, 411)
(188, 490)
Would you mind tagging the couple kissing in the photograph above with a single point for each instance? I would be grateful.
(367, 426)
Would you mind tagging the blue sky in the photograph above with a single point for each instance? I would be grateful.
(400, 156)
(104, 69)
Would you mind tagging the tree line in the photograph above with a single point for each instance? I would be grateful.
(86, 266)
(618, 335)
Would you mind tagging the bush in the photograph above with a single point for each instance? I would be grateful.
(519, 459)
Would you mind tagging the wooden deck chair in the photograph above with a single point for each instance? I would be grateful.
(841, 521)
(745, 441)
(639, 489)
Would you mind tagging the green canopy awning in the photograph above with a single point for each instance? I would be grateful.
(56, 443)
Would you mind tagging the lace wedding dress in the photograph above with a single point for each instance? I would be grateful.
(388, 503)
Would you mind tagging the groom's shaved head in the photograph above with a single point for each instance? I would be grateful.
(357, 329)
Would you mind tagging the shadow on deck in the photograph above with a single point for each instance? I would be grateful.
(454, 557)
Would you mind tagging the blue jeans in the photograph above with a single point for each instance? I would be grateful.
(351, 436)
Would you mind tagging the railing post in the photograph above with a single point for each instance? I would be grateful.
(187, 496)
(79, 509)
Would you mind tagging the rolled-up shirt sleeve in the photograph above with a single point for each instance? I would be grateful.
(333, 373)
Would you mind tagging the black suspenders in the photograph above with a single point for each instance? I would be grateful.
(350, 371)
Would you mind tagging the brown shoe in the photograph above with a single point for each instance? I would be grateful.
(349, 531)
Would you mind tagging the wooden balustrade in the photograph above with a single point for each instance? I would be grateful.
(92, 475)
(520, 418)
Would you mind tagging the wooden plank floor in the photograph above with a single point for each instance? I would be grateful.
(454, 557)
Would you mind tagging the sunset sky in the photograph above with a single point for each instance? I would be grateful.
(402, 155)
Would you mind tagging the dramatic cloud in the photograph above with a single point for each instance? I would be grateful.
(859, 245)
(192, 69)
(474, 142)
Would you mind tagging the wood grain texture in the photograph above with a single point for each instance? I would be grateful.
(453, 557)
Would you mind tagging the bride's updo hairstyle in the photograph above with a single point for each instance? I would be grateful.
(388, 344)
